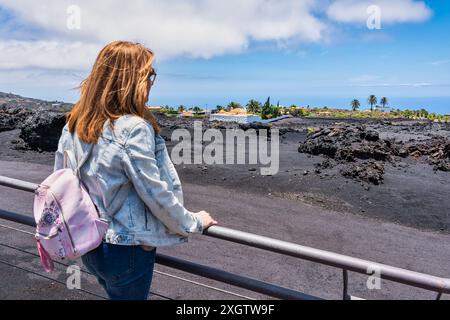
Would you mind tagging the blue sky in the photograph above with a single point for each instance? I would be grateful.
(311, 52)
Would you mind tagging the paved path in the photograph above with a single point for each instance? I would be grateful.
(282, 219)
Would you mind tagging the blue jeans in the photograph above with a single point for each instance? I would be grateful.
(125, 272)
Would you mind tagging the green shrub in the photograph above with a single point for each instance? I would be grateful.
(311, 130)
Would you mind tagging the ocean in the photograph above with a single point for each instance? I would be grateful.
(439, 105)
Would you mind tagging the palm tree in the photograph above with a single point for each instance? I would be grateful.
(196, 109)
(233, 105)
(372, 100)
(384, 102)
(355, 104)
(253, 106)
(181, 108)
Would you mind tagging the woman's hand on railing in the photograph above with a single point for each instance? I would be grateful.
(206, 219)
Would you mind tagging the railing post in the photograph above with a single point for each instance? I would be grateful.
(345, 295)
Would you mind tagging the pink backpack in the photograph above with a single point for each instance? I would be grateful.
(68, 224)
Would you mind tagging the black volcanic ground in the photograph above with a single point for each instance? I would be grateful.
(369, 189)
(412, 191)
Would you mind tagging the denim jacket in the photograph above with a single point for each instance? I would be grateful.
(133, 183)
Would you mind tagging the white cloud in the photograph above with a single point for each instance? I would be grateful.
(392, 11)
(195, 28)
(46, 54)
(365, 78)
(412, 85)
(38, 53)
(440, 62)
(202, 28)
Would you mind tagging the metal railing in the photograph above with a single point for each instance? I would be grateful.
(346, 263)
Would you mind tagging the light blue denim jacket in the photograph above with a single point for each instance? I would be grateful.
(133, 183)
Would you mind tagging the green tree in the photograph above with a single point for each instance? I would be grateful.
(266, 110)
(233, 105)
(423, 113)
(384, 102)
(196, 109)
(181, 108)
(167, 109)
(408, 113)
(372, 100)
(253, 106)
(219, 108)
(171, 110)
(296, 112)
(275, 111)
(355, 104)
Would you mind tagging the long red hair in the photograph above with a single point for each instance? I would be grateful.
(117, 85)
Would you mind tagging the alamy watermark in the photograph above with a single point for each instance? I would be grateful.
(374, 280)
(73, 281)
(229, 146)
(73, 21)
(374, 20)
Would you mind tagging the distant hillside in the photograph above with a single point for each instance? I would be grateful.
(9, 100)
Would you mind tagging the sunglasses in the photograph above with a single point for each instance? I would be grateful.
(152, 77)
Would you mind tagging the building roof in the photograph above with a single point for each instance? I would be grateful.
(154, 108)
(234, 112)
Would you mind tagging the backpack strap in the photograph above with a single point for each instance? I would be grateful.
(73, 158)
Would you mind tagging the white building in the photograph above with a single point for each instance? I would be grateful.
(250, 118)
(239, 118)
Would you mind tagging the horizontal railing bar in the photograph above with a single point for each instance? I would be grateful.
(233, 279)
(332, 259)
(387, 272)
(198, 269)
(18, 218)
(18, 184)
